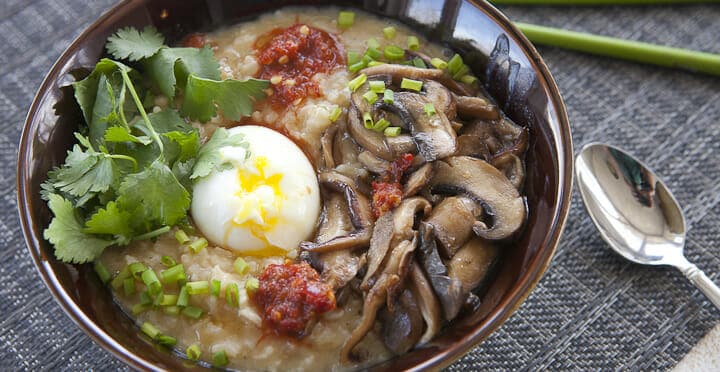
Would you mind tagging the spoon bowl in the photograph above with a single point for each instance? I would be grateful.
(635, 212)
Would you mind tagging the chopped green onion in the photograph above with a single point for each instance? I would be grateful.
(375, 63)
(468, 79)
(215, 288)
(372, 43)
(139, 308)
(464, 69)
(438, 63)
(150, 330)
(252, 285)
(388, 96)
(353, 57)
(418, 62)
(241, 267)
(370, 96)
(118, 280)
(356, 67)
(392, 131)
(231, 294)
(151, 282)
(183, 297)
(377, 86)
(129, 286)
(335, 114)
(173, 274)
(166, 340)
(168, 299)
(145, 298)
(367, 120)
(408, 62)
(366, 58)
(411, 84)
(373, 53)
(389, 32)
(198, 287)
(171, 310)
(219, 359)
(192, 312)
(102, 272)
(393, 52)
(198, 245)
(193, 352)
(454, 64)
(346, 19)
(413, 43)
(381, 125)
(168, 261)
(137, 269)
(181, 237)
(356, 83)
(429, 109)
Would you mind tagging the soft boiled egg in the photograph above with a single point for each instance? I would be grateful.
(266, 203)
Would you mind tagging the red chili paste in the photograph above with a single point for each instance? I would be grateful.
(290, 295)
(296, 54)
(387, 193)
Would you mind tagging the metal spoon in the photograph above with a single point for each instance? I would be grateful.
(635, 212)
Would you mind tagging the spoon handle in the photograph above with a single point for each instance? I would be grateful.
(703, 283)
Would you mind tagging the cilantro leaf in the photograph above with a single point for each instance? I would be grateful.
(188, 144)
(234, 97)
(171, 67)
(66, 234)
(154, 197)
(84, 172)
(122, 134)
(133, 45)
(110, 221)
(208, 157)
(86, 90)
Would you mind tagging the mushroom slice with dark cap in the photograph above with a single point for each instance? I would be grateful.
(448, 290)
(472, 145)
(471, 264)
(480, 181)
(360, 215)
(512, 167)
(398, 72)
(476, 107)
(326, 145)
(373, 163)
(441, 98)
(417, 180)
(369, 140)
(427, 302)
(452, 221)
(402, 326)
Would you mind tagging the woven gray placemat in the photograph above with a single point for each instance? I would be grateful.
(591, 310)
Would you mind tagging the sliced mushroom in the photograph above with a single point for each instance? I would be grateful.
(476, 107)
(427, 301)
(402, 327)
(402, 144)
(472, 145)
(368, 139)
(441, 98)
(485, 184)
(471, 264)
(326, 144)
(398, 72)
(512, 167)
(417, 180)
(360, 216)
(379, 246)
(452, 221)
(373, 163)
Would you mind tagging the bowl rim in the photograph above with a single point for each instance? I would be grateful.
(512, 301)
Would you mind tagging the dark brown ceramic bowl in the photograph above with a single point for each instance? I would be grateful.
(514, 74)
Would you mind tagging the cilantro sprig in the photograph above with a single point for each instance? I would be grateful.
(131, 173)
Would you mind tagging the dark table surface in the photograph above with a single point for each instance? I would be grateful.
(591, 310)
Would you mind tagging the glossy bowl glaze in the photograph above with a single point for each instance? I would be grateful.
(514, 74)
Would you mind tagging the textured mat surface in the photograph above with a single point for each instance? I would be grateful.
(591, 310)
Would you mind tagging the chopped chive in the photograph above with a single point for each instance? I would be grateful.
(413, 43)
(429, 109)
(241, 267)
(102, 272)
(388, 96)
(145, 298)
(356, 83)
(377, 86)
(375, 63)
(183, 297)
(137, 269)
(166, 340)
(438, 63)
(372, 43)
(392, 131)
(381, 125)
(139, 308)
(464, 69)
(411, 84)
(198, 245)
(252, 285)
(171, 310)
(346, 19)
(468, 79)
(353, 57)
(454, 64)
(215, 288)
(367, 120)
(193, 352)
(373, 53)
(335, 114)
(181, 237)
(168, 261)
(219, 359)
(198, 287)
(150, 330)
(231, 294)
(129, 286)
(418, 62)
(389, 32)
(370, 96)
(393, 52)
(356, 67)
(151, 282)
(173, 274)
(118, 280)
(192, 312)
(168, 299)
